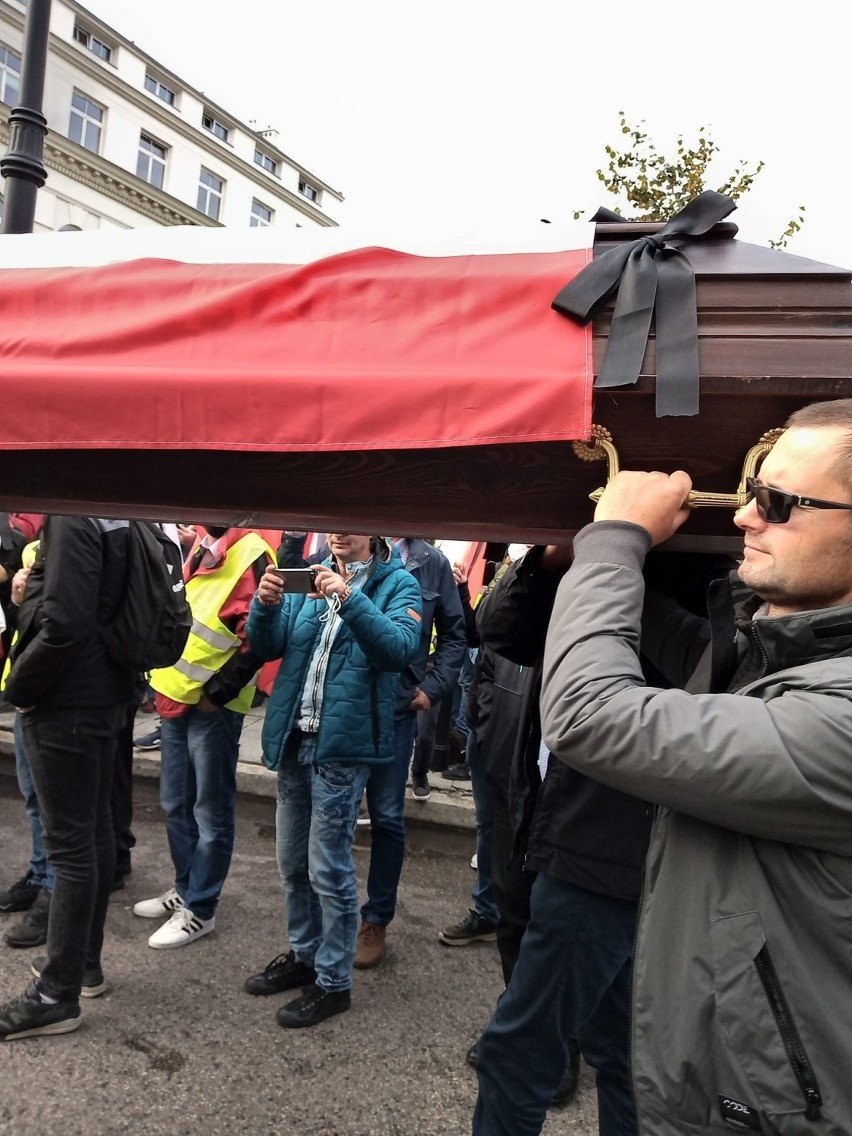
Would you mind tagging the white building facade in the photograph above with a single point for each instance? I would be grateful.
(130, 144)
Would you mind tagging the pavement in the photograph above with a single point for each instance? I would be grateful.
(450, 806)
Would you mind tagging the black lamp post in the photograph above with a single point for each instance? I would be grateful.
(22, 166)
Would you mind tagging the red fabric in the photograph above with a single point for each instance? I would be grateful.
(364, 350)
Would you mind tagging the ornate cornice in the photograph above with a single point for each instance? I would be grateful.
(79, 164)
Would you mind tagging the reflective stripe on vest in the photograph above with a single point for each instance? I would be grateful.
(211, 644)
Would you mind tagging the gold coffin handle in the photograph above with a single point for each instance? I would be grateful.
(601, 447)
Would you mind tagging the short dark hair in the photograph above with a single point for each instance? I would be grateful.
(835, 415)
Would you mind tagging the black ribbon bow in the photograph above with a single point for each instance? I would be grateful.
(650, 275)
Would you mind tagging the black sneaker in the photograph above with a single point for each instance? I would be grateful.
(420, 787)
(314, 1006)
(20, 896)
(472, 1055)
(458, 772)
(32, 930)
(93, 977)
(285, 972)
(567, 1088)
(28, 1016)
(148, 741)
(472, 929)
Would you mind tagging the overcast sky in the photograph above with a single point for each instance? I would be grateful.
(487, 113)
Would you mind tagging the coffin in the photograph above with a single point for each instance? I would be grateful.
(775, 333)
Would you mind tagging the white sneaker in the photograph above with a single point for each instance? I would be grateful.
(182, 928)
(163, 905)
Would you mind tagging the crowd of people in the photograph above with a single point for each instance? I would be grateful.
(657, 745)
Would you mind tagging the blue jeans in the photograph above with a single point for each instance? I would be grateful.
(460, 692)
(386, 805)
(71, 753)
(198, 787)
(40, 872)
(571, 979)
(481, 897)
(315, 828)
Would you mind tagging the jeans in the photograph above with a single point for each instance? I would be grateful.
(315, 828)
(481, 897)
(510, 886)
(198, 788)
(460, 692)
(39, 872)
(386, 805)
(122, 793)
(71, 753)
(572, 978)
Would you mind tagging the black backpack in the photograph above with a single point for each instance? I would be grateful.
(151, 625)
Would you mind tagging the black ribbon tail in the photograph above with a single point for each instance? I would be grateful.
(677, 337)
(631, 322)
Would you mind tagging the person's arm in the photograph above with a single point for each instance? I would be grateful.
(450, 637)
(388, 638)
(512, 618)
(774, 766)
(239, 670)
(69, 596)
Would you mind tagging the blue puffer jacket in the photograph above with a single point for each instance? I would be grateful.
(379, 635)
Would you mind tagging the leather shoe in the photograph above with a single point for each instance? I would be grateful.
(32, 930)
(285, 972)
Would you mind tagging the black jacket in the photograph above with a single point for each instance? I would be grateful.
(571, 827)
(77, 581)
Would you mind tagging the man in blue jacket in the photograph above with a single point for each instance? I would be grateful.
(423, 683)
(328, 724)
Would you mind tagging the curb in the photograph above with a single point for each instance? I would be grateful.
(447, 807)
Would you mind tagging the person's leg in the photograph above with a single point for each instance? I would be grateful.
(574, 948)
(213, 741)
(292, 828)
(122, 794)
(336, 792)
(71, 755)
(386, 806)
(510, 886)
(39, 873)
(605, 1044)
(482, 897)
(177, 795)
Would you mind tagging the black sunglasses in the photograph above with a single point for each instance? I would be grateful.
(775, 506)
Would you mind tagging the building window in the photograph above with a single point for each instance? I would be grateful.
(210, 190)
(95, 45)
(309, 191)
(215, 126)
(261, 215)
(10, 75)
(151, 162)
(160, 90)
(86, 122)
(264, 160)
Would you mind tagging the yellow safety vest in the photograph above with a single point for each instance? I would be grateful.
(27, 560)
(211, 644)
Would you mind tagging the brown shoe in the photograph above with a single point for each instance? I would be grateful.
(371, 946)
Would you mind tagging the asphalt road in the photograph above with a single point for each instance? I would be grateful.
(175, 1047)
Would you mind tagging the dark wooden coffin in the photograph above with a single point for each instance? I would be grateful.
(775, 333)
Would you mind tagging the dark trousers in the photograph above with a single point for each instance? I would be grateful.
(122, 793)
(510, 886)
(71, 753)
(571, 979)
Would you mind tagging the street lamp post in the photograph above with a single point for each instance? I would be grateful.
(22, 164)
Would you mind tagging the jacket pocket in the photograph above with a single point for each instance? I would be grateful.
(761, 1058)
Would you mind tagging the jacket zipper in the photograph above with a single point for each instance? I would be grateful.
(796, 1054)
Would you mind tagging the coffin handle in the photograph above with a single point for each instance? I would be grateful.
(601, 447)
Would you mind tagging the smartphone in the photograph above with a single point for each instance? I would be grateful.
(296, 579)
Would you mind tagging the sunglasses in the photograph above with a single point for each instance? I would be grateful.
(775, 506)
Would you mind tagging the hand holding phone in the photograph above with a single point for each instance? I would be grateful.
(296, 579)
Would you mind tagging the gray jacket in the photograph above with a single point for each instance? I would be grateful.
(742, 1014)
